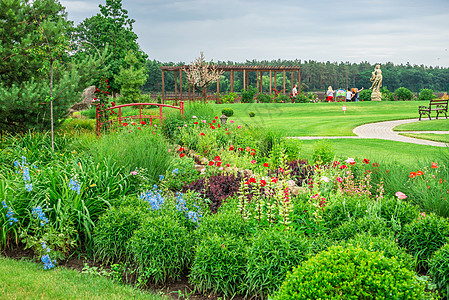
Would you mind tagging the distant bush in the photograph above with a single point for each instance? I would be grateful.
(365, 95)
(426, 94)
(228, 112)
(386, 94)
(263, 98)
(323, 152)
(331, 275)
(252, 114)
(248, 95)
(403, 94)
(301, 98)
(282, 99)
(229, 98)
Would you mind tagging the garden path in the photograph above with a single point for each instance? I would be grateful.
(384, 130)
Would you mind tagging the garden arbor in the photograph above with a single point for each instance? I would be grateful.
(293, 71)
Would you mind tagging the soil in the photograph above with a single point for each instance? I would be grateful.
(175, 290)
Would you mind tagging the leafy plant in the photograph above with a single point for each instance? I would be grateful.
(330, 274)
(229, 98)
(263, 98)
(439, 269)
(252, 114)
(423, 237)
(365, 95)
(403, 94)
(426, 94)
(228, 112)
(248, 95)
(323, 153)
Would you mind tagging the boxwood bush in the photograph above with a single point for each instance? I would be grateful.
(439, 269)
(331, 275)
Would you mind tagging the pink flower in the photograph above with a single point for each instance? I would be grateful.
(194, 117)
(133, 172)
(339, 179)
(253, 161)
(231, 121)
(204, 121)
(400, 195)
(240, 126)
(350, 160)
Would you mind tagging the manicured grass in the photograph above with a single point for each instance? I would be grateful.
(319, 119)
(424, 125)
(27, 280)
(378, 150)
(444, 138)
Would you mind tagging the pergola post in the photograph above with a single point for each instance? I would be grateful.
(163, 88)
(257, 79)
(284, 81)
(291, 75)
(176, 87)
(180, 83)
(232, 81)
(275, 81)
(190, 91)
(271, 90)
(218, 91)
(244, 80)
(261, 82)
(299, 80)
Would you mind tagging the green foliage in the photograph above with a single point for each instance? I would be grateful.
(270, 256)
(181, 170)
(219, 265)
(282, 99)
(161, 248)
(423, 237)
(78, 125)
(382, 244)
(341, 209)
(248, 95)
(135, 149)
(365, 95)
(301, 98)
(252, 114)
(403, 94)
(330, 275)
(368, 225)
(131, 79)
(323, 153)
(386, 94)
(426, 94)
(228, 112)
(113, 231)
(439, 269)
(229, 98)
(263, 98)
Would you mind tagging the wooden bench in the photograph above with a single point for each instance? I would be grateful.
(437, 105)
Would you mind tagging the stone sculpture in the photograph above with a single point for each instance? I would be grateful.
(376, 79)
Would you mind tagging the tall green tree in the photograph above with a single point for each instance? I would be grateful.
(112, 31)
(131, 79)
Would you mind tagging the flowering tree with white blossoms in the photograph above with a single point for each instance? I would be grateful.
(201, 74)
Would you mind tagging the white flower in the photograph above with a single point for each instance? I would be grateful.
(325, 179)
(194, 117)
(350, 160)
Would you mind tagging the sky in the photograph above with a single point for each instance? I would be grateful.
(398, 31)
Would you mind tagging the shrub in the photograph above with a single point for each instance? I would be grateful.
(229, 98)
(248, 95)
(302, 98)
(263, 98)
(330, 275)
(398, 212)
(426, 94)
(382, 244)
(365, 95)
(219, 265)
(403, 94)
(228, 112)
(439, 269)
(341, 209)
(181, 171)
(216, 188)
(386, 94)
(252, 114)
(282, 99)
(113, 231)
(323, 153)
(161, 248)
(423, 237)
(369, 225)
(84, 125)
(270, 256)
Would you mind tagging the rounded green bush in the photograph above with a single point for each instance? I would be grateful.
(252, 114)
(371, 225)
(219, 265)
(161, 248)
(423, 237)
(263, 98)
(382, 244)
(270, 256)
(426, 94)
(228, 112)
(439, 269)
(403, 94)
(350, 273)
(113, 231)
(365, 95)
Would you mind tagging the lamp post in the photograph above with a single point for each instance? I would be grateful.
(223, 119)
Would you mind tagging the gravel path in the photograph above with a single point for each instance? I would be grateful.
(384, 131)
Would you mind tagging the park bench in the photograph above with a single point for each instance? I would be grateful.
(437, 105)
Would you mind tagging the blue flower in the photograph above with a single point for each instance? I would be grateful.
(48, 264)
(161, 177)
(29, 187)
(75, 186)
(4, 204)
(37, 212)
(175, 171)
(10, 215)
(153, 197)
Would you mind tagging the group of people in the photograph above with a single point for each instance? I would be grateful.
(351, 95)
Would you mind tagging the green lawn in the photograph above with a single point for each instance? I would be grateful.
(27, 280)
(378, 150)
(444, 138)
(433, 125)
(320, 119)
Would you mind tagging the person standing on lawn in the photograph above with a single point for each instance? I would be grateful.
(330, 94)
(348, 95)
(294, 93)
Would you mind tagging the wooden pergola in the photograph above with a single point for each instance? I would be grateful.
(272, 70)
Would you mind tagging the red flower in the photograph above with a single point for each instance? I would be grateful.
(252, 179)
(133, 123)
(228, 165)
(105, 80)
(181, 155)
(231, 148)
(253, 153)
(181, 149)
(113, 104)
(218, 163)
(213, 121)
(241, 149)
(211, 163)
(336, 163)
(419, 173)
(366, 161)
(263, 183)
(274, 179)
(143, 123)
(352, 163)
(139, 128)
(195, 123)
(212, 127)
(202, 133)
(434, 165)
(218, 125)
(343, 167)
(247, 148)
(375, 164)
(227, 132)
(217, 158)
(412, 175)
(125, 124)
(266, 165)
(216, 118)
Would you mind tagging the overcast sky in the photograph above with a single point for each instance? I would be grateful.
(398, 31)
